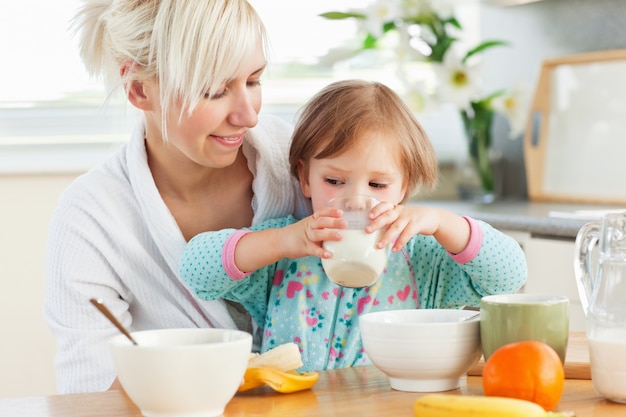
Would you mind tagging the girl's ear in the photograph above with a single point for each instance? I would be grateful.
(303, 177)
(405, 189)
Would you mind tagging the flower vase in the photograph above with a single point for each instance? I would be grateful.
(480, 179)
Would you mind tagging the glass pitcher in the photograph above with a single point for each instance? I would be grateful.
(600, 269)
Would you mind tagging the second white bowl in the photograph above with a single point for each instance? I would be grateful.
(423, 350)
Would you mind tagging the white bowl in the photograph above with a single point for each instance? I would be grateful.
(182, 372)
(425, 350)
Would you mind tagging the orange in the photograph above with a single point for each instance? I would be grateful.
(528, 370)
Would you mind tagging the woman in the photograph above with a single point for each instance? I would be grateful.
(199, 160)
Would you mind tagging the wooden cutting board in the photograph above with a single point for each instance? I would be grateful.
(576, 359)
(574, 139)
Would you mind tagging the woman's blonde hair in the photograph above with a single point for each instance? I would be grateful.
(191, 47)
(342, 113)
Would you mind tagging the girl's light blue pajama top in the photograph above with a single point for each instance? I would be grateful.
(295, 302)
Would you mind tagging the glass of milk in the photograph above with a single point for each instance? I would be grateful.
(355, 261)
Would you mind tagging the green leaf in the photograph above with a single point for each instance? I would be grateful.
(439, 49)
(482, 108)
(370, 41)
(452, 21)
(491, 96)
(389, 26)
(483, 46)
(342, 15)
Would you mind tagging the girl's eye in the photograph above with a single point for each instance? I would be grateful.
(256, 83)
(377, 185)
(333, 181)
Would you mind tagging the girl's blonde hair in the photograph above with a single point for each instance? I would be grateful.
(338, 116)
(191, 47)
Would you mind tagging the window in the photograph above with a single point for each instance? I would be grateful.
(52, 116)
(299, 40)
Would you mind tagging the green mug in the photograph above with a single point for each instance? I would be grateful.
(508, 318)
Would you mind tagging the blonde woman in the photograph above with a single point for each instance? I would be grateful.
(200, 159)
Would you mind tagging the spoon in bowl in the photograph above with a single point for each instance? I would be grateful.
(472, 317)
(107, 313)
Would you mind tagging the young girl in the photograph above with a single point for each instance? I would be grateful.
(354, 137)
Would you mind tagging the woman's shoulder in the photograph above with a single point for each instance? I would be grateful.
(101, 186)
(112, 177)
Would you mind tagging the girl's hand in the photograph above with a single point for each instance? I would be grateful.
(306, 237)
(401, 222)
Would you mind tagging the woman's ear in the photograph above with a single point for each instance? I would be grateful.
(303, 178)
(137, 91)
(138, 95)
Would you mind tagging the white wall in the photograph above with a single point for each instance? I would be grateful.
(26, 346)
(547, 29)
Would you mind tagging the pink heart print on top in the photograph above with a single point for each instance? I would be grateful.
(293, 287)
(362, 302)
(311, 321)
(403, 294)
(278, 277)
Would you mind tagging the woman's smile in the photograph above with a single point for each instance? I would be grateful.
(231, 141)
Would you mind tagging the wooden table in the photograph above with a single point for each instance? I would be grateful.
(361, 391)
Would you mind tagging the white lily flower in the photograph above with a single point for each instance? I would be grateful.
(416, 100)
(420, 99)
(409, 45)
(457, 81)
(429, 62)
(428, 35)
(378, 13)
(514, 105)
(412, 8)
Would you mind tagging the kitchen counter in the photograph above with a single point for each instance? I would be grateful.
(560, 220)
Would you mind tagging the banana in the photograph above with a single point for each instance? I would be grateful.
(284, 382)
(277, 369)
(285, 357)
(445, 405)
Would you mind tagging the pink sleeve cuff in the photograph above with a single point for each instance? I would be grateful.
(474, 244)
(228, 256)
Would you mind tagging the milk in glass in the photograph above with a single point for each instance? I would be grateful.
(356, 262)
(607, 352)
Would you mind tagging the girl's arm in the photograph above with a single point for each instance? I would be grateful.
(493, 261)
(497, 266)
(217, 264)
(304, 238)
